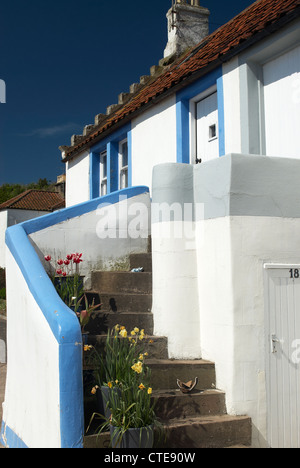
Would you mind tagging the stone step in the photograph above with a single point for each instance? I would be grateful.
(143, 260)
(122, 282)
(219, 431)
(121, 302)
(165, 373)
(101, 322)
(171, 404)
(155, 346)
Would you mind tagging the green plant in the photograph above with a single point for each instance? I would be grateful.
(67, 280)
(3, 293)
(85, 315)
(124, 370)
(120, 353)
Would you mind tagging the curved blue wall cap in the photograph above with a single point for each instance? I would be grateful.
(63, 322)
(37, 224)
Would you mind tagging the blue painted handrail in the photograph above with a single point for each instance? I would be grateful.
(62, 321)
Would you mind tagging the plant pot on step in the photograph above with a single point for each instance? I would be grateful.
(132, 438)
(104, 394)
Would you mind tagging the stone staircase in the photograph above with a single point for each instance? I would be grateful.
(195, 420)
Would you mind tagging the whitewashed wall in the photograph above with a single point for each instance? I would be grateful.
(208, 298)
(282, 98)
(153, 140)
(10, 218)
(77, 180)
(3, 226)
(104, 236)
(32, 385)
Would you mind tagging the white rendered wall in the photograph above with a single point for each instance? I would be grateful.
(231, 300)
(77, 180)
(232, 112)
(84, 234)
(282, 98)
(10, 218)
(153, 140)
(33, 357)
(3, 226)
(175, 289)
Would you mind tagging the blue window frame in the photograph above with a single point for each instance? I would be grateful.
(183, 98)
(110, 145)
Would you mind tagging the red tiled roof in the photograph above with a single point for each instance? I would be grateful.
(36, 200)
(262, 16)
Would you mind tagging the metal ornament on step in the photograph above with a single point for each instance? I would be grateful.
(188, 386)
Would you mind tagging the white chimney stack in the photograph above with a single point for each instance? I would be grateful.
(187, 25)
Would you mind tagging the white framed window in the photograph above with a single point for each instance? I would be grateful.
(123, 164)
(103, 173)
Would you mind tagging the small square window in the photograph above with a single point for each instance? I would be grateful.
(212, 131)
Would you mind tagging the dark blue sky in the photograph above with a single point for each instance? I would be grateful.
(65, 61)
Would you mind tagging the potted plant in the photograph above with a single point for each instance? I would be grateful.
(133, 418)
(67, 279)
(124, 384)
(120, 351)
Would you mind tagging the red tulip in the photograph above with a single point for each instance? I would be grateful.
(47, 258)
(59, 272)
(60, 262)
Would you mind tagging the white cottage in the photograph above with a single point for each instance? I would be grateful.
(217, 124)
(227, 94)
(213, 135)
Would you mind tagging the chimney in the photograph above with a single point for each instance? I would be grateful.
(187, 25)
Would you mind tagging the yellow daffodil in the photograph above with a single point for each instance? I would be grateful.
(87, 348)
(149, 391)
(110, 385)
(142, 387)
(132, 333)
(94, 390)
(141, 357)
(136, 330)
(123, 332)
(137, 367)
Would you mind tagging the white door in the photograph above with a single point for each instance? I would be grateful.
(207, 142)
(283, 355)
(282, 102)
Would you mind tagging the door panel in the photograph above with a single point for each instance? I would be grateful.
(207, 128)
(283, 357)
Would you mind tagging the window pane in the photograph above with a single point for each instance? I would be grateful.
(124, 154)
(104, 166)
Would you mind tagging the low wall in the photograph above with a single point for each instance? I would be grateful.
(43, 405)
(106, 235)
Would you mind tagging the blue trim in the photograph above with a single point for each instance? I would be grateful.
(12, 440)
(94, 175)
(183, 98)
(113, 166)
(62, 321)
(111, 145)
(129, 142)
(221, 116)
